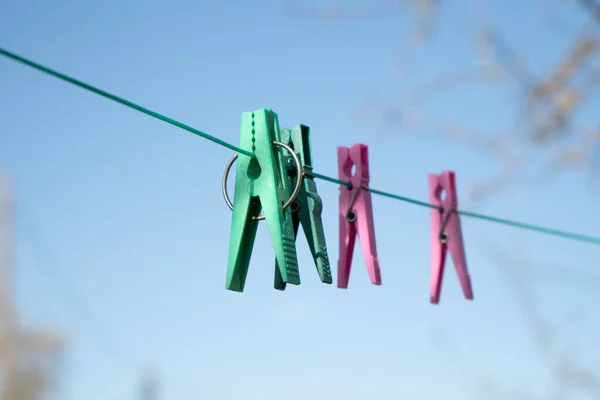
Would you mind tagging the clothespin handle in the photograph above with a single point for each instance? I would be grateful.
(446, 235)
(356, 214)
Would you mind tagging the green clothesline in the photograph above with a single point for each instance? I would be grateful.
(516, 224)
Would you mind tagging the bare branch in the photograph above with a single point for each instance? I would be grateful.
(592, 7)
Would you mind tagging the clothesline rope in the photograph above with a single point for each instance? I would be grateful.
(214, 139)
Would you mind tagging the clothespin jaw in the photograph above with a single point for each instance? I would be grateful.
(356, 213)
(307, 208)
(446, 233)
(260, 182)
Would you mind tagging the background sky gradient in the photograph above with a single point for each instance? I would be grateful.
(122, 232)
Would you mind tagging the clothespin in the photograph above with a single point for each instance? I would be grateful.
(307, 208)
(356, 213)
(261, 182)
(446, 233)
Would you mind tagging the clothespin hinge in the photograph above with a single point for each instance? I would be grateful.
(444, 237)
(291, 201)
(350, 213)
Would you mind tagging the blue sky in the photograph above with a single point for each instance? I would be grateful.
(122, 233)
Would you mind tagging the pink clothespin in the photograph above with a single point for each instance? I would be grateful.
(446, 233)
(356, 213)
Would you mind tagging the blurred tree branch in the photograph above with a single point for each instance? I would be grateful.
(592, 7)
(549, 126)
(38, 355)
(549, 112)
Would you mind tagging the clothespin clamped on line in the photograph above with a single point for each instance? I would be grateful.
(356, 213)
(446, 233)
(261, 182)
(307, 207)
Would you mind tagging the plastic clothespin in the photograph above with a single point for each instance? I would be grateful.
(446, 233)
(356, 213)
(260, 182)
(307, 208)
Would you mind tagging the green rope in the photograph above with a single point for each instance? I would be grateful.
(123, 101)
(332, 180)
(536, 228)
(516, 224)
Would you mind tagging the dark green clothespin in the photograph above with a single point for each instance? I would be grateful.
(261, 182)
(307, 207)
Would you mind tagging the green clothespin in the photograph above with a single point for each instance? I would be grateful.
(307, 207)
(261, 182)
